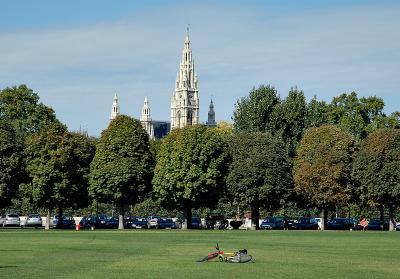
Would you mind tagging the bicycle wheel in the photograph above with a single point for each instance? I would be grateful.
(208, 257)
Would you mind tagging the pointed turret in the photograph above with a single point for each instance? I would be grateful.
(145, 119)
(114, 108)
(211, 115)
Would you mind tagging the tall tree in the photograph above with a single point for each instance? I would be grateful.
(288, 121)
(317, 113)
(21, 106)
(322, 167)
(11, 163)
(57, 164)
(190, 169)
(377, 169)
(122, 168)
(254, 113)
(260, 172)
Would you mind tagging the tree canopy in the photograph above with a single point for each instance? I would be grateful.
(377, 170)
(322, 167)
(190, 169)
(11, 163)
(260, 172)
(21, 106)
(57, 164)
(122, 168)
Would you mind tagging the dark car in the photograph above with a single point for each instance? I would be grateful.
(166, 223)
(341, 224)
(136, 223)
(375, 224)
(196, 223)
(217, 222)
(274, 223)
(306, 223)
(92, 222)
(68, 222)
(112, 223)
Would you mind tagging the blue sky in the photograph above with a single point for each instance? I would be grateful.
(77, 54)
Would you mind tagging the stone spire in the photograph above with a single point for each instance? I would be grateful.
(145, 119)
(211, 116)
(114, 108)
(185, 100)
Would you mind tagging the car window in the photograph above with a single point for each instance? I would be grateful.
(13, 215)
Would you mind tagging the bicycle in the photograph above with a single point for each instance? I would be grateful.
(240, 256)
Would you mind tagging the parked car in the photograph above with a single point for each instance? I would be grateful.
(10, 220)
(136, 223)
(274, 223)
(152, 222)
(92, 222)
(341, 224)
(196, 223)
(216, 221)
(166, 223)
(68, 222)
(306, 223)
(112, 223)
(376, 225)
(398, 227)
(33, 220)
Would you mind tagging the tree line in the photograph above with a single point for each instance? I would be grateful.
(277, 153)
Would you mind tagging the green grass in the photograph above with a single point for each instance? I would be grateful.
(172, 254)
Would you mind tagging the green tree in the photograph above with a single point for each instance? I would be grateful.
(21, 106)
(317, 113)
(288, 121)
(254, 113)
(260, 172)
(122, 168)
(11, 163)
(57, 163)
(355, 115)
(377, 170)
(190, 169)
(322, 167)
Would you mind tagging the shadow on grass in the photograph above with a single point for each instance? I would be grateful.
(7, 266)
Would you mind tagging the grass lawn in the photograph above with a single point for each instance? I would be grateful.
(31, 253)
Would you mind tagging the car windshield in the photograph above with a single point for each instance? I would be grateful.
(13, 215)
(268, 220)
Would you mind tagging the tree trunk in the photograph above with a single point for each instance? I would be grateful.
(323, 217)
(60, 221)
(381, 215)
(121, 217)
(47, 225)
(187, 218)
(255, 216)
(392, 222)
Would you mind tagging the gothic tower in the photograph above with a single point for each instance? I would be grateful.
(145, 119)
(185, 100)
(114, 108)
(211, 116)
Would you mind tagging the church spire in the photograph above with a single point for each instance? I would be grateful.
(145, 119)
(211, 115)
(114, 108)
(185, 101)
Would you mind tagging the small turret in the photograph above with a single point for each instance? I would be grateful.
(114, 108)
(211, 116)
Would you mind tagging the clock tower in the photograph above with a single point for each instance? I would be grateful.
(185, 100)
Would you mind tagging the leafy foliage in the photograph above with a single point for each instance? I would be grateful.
(377, 169)
(122, 167)
(20, 105)
(11, 163)
(322, 167)
(260, 173)
(254, 113)
(190, 168)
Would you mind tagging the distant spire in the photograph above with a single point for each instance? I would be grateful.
(145, 119)
(114, 108)
(211, 115)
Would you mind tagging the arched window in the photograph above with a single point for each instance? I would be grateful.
(178, 119)
(190, 118)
